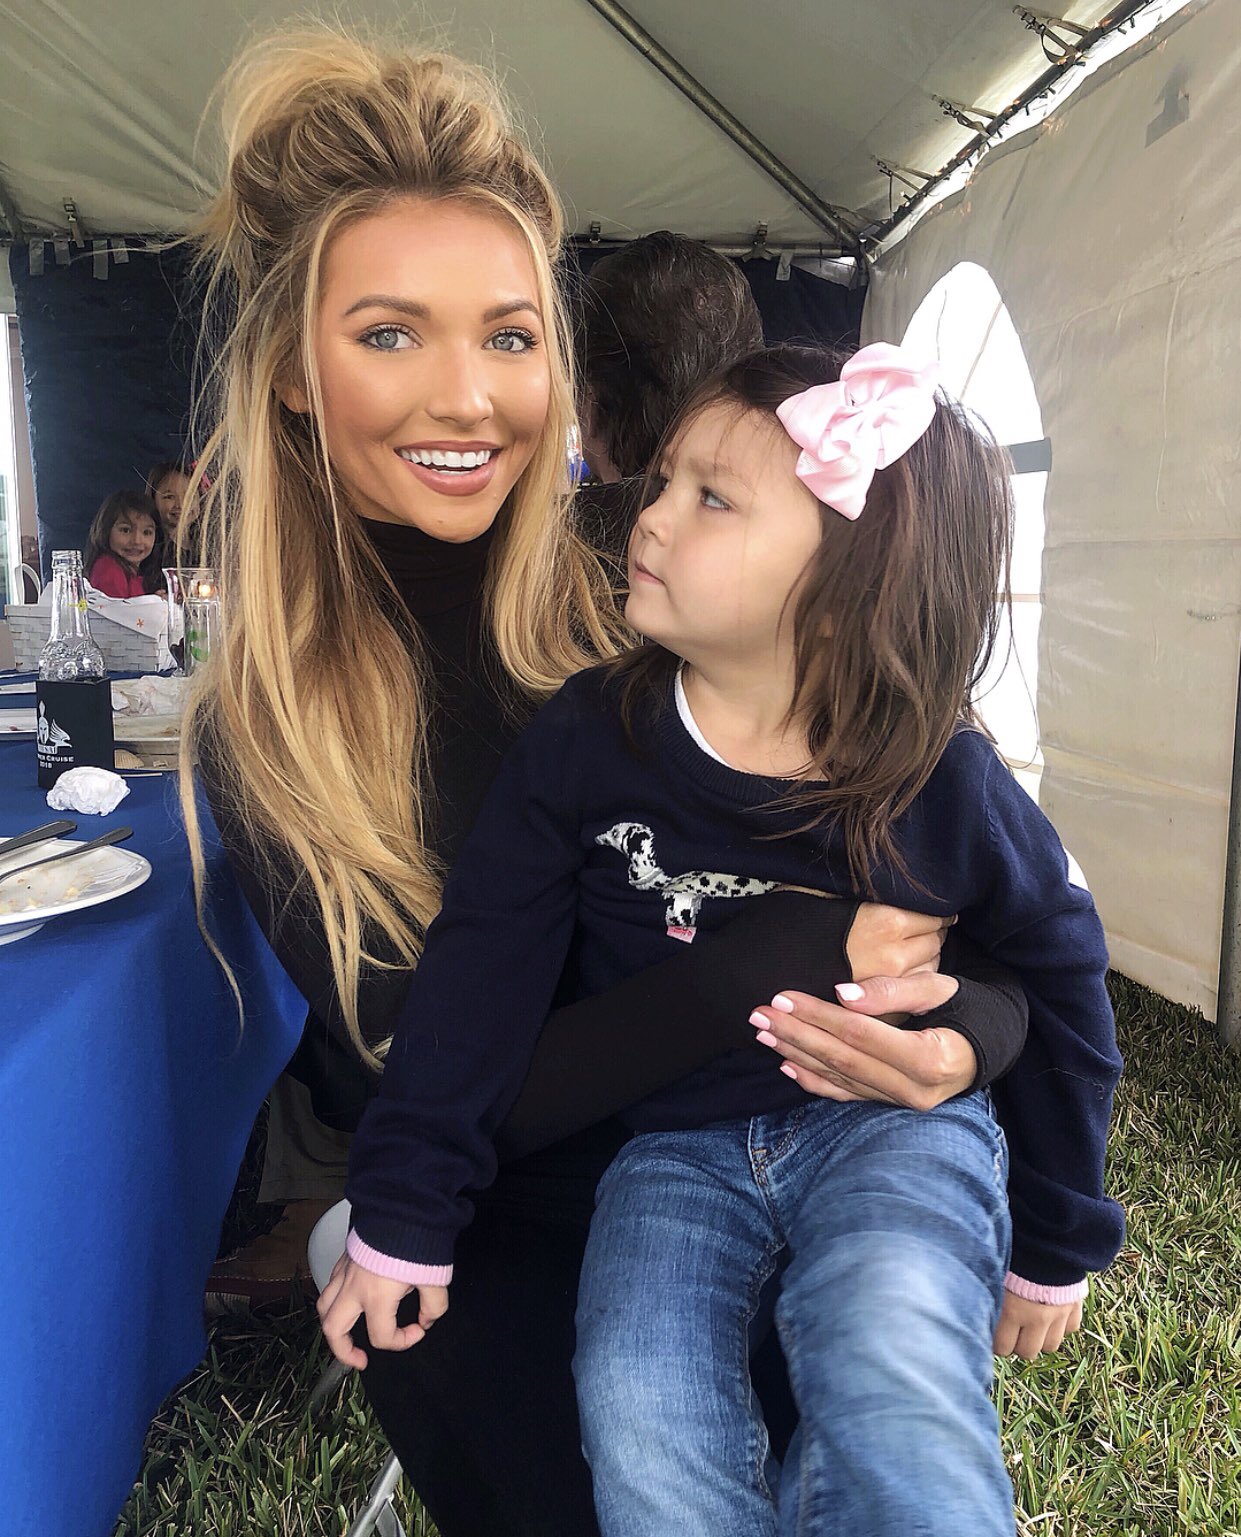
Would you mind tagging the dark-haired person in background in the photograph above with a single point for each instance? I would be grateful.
(660, 315)
(168, 485)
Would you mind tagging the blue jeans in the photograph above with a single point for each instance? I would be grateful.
(888, 1231)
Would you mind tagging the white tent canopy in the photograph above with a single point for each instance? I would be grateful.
(1111, 231)
(102, 100)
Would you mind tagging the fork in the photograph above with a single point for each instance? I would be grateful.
(36, 835)
(117, 835)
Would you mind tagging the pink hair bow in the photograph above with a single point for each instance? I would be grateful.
(884, 402)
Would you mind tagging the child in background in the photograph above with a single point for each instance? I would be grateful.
(123, 547)
(816, 623)
(168, 485)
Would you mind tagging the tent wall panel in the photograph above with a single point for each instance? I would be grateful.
(107, 370)
(1115, 241)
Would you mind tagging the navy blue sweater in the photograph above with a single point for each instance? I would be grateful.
(595, 861)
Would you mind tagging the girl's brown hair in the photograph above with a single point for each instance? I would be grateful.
(313, 714)
(895, 619)
(125, 504)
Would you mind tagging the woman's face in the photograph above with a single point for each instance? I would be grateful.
(132, 537)
(170, 498)
(431, 354)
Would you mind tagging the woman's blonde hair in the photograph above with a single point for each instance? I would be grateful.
(313, 713)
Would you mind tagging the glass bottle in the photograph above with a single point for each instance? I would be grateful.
(73, 699)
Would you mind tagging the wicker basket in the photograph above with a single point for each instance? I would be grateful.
(123, 650)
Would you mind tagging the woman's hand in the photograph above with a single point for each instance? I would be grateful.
(891, 942)
(838, 1051)
(1029, 1329)
(352, 1291)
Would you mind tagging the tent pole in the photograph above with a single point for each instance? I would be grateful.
(1228, 1004)
(9, 212)
(824, 215)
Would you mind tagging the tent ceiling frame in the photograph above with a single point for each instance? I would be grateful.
(1118, 17)
(10, 213)
(743, 250)
(833, 220)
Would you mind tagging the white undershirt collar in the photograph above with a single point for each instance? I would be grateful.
(691, 725)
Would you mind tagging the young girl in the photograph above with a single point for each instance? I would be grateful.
(168, 485)
(816, 581)
(122, 549)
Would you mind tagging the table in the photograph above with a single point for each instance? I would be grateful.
(127, 1093)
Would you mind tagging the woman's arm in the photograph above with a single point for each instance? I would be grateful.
(596, 1057)
(914, 1040)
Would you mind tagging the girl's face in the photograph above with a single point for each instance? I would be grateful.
(132, 537)
(170, 498)
(714, 559)
(430, 348)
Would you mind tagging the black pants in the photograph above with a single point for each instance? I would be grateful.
(482, 1412)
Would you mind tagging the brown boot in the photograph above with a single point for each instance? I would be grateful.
(265, 1270)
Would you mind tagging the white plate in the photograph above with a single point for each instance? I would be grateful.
(65, 887)
(161, 731)
(148, 730)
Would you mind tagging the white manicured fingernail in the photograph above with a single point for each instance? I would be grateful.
(785, 1005)
(789, 1071)
(849, 992)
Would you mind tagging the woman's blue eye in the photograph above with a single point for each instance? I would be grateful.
(388, 339)
(513, 340)
(710, 499)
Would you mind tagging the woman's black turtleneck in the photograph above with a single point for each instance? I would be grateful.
(475, 714)
(601, 1054)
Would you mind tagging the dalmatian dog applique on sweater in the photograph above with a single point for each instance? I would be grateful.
(683, 894)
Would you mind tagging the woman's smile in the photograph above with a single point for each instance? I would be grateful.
(451, 468)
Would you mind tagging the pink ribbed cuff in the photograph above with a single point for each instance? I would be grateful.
(393, 1269)
(1054, 1296)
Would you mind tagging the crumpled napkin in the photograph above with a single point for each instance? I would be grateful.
(94, 791)
(151, 695)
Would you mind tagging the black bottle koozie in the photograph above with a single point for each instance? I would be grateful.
(74, 727)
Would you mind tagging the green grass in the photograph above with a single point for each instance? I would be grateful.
(1134, 1430)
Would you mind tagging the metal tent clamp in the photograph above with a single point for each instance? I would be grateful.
(1044, 25)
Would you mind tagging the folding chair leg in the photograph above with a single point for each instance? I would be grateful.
(388, 1524)
(378, 1514)
(333, 1375)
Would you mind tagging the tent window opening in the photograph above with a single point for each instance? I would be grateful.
(965, 323)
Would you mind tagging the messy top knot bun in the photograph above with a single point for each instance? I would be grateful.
(322, 130)
(311, 118)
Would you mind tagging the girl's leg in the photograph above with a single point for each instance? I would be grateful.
(679, 1249)
(482, 1413)
(899, 1248)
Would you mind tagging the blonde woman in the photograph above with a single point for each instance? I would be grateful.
(402, 586)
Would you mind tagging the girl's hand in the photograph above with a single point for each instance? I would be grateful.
(1030, 1329)
(890, 942)
(839, 1052)
(352, 1291)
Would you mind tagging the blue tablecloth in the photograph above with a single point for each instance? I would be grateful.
(127, 1093)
